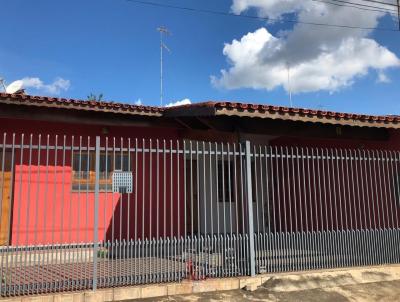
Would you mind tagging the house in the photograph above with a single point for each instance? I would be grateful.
(289, 182)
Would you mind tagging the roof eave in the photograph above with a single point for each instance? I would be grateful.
(279, 115)
(80, 106)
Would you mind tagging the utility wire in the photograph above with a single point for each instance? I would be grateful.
(362, 6)
(221, 13)
(381, 2)
(390, 11)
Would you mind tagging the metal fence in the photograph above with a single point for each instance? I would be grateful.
(325, 208)
(88, 212)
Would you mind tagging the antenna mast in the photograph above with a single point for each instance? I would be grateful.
(289, 87)
(163, 30)
(398, 12)
(2, 83)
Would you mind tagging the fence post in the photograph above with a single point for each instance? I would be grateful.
(250, 208)
(96, 213)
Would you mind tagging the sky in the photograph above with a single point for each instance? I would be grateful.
(73, 48)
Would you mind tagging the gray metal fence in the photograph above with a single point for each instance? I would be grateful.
(325, 208)
(88, 212)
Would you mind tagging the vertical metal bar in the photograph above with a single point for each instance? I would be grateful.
(361, 209)
(198, 247)
(372, 224)
(250, 208)
(165, 191)
(217, 185)
(391, 202)
(289, 229)
(263, 187)
(255, 196)
(96, 212)
(342, 195)
(360, 188)
(223, 188)
(191, 196)
(105, 204)
(284, 201)
(273, 237)
(129, 169)
(306, 253)
(178, 192)
(338, 209)
(379, 205)
(185, 234)
(396, 199)
(150, 184)
(316, 235)
(203, 148)
(37, 261)
(355, 230)
(143, 238)
(310, 228)
(18, 256)
(2, 273)
(242, 198)
(320, 229)
(9, 280)
(329, 212)
(184, 190)
(279, 201)
(385, 203)
(211, 180)
(236, 184)
(134, 241)
(158, 190)
(295, 230)
(377, 236)
(171, 176)
(172, 235)
(230, 209)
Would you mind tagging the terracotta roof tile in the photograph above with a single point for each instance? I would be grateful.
(210, 108)
(79, 104)
(297, 114)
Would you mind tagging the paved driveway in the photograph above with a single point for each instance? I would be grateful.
(380, 291)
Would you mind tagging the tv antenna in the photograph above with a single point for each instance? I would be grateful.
(163, 31)
(3, 84)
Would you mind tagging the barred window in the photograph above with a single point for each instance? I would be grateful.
(84, 170)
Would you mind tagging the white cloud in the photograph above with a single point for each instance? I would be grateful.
(58, 85)
(318, 58)
(179, 103)
(382, 78)
(138, 102)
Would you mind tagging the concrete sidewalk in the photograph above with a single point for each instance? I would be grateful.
(379, 283)
(388, 291)
(360, 284)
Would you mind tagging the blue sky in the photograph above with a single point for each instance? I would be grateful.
(112, 47)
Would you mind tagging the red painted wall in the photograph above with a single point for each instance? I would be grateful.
(38, 208)
(339, 206)
(46, 210)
